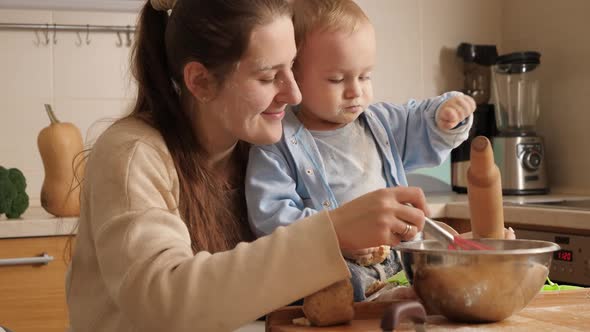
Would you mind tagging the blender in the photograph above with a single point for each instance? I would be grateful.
(518, 150)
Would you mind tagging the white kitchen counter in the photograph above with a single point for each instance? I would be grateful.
(456, 206)
(37, 222)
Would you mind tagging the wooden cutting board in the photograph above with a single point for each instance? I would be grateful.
(548, 311)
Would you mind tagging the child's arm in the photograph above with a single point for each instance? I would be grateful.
(271, 192)
(454, 112)
(413, 126)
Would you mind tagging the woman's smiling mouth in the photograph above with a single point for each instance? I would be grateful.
(273, 115)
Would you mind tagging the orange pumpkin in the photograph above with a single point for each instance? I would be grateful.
(60, 145)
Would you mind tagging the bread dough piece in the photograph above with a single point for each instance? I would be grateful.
(377, 257)
(331, 305)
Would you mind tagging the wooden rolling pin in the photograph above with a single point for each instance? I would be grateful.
(484, 190)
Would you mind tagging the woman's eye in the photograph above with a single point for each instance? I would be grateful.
(267, 79)
(335, 80)
(365, 78)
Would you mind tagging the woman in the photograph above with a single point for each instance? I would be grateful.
(163, 238)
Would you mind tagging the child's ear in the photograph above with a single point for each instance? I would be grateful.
(199, 81)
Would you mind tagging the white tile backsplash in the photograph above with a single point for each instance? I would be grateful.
(21, 120)
(25, 68)
(82, 70)
(88, 85)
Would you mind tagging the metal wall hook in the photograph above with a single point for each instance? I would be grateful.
(120, 41)
(46, 34)
(79, 41)
(128, 36)
(54, 34)
(37, 40)
(88, 34)
(42, 32)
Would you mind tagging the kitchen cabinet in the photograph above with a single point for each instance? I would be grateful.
(32, 296)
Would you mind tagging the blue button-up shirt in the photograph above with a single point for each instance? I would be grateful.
(287, 181)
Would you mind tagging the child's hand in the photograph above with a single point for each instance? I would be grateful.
(453, 111)
(358, 254)
(368, 256)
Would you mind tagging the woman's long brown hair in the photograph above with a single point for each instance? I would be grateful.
(215, 33)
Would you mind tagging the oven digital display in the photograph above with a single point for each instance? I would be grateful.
(563, 255)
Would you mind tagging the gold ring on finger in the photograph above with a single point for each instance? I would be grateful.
(406, 231)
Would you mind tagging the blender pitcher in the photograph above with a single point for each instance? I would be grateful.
(516, 90)
(518, 150)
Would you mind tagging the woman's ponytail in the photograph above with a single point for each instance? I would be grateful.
(150, 66)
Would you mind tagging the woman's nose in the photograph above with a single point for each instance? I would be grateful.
(289, 92)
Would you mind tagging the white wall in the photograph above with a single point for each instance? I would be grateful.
(85, 84)
(417, 43)
(560, 30)
(416, 59)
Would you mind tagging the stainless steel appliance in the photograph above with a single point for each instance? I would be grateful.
(477, 62)
(571, 264)
(518, 150)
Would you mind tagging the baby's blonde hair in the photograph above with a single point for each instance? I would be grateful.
(325, 15)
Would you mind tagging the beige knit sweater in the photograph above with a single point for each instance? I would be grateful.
(133, 268)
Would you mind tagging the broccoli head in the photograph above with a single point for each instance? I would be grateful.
(13, 198)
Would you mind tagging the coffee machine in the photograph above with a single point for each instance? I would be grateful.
(518, 150)
(477, 62)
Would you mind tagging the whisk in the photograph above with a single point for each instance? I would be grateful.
(453, 242)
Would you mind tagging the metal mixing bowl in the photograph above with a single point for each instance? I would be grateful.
(477, 285)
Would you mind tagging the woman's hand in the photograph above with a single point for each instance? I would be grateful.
(380, 217)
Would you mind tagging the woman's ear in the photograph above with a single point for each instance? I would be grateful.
(199, 81)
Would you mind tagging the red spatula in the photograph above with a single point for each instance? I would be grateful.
(453, 242)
